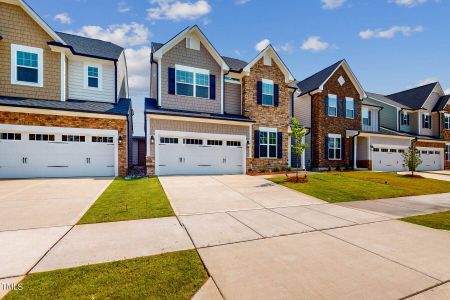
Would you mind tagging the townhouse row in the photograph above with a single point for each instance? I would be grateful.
(65, 111)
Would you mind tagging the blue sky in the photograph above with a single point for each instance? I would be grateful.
(390, 44)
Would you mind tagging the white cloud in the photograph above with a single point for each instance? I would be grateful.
(447, 91)
(123, 7)
(409, 3)
(287, 47)
(133, 34)
(313, 43)
(332, 4)
(138, 63)
(178, 10)
(242, 2)
(63, 18)
(390, 32)
(261, 45)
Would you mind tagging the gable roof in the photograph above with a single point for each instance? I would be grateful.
(386, 100)
(91, 47)
(274, 54)
(442, 102)
(415, 97)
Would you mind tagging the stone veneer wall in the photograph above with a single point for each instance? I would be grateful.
(17, 27)
(266, 116)
(322, 124)
(32, 119)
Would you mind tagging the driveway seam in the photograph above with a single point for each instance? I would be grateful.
(34, 228)
(254, 230)
(425, 290)
(238, 192)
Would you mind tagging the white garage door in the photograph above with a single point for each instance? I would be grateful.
(49, 153)
(199, 155)
(431, 159)
(387, 159)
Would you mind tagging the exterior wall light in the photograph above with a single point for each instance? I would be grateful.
(152, 139)
(120, 140)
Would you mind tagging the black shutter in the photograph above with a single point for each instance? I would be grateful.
(259, 92)
(326, 147)
(276, 95)
(326, 105)
(171, 80)
(429, 122)
(212, 87)
(344, 107)
(256, 150)
(407, 119)
(370, 117)
(337, 106)
(280, 145)
(423, 121)
(355, 109)
(343, 148)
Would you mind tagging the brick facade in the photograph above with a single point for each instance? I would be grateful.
(266, 116)
(17, 27)
(32, 119)
(322, 124)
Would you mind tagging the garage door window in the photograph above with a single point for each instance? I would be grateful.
(102, 139)
(376, 149)
(42, 137)
(393, 150)
(233, 143)
(10, 136)
(73, 138)
(192, 142)
(167, 140)
(214, 143)
(401, 151)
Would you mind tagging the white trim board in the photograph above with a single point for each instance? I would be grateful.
(199, 120)
(44, 111)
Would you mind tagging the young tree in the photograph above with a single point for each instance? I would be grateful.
(297, 135)
(411, 158)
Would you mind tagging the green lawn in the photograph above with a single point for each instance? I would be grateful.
(439, 220)
(131, 199)
(351, 186)
(176, 275)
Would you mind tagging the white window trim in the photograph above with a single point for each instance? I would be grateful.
(269, 130)
(335, 136)
(447, 149)
(270, 82)
(100, 76)
(328, 105)
(353, 107)
(194, 84)
(404, 119)
(40, 54)
(426, 116)
(448, 122)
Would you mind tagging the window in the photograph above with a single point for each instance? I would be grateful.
(233, 143)
(332, 105)
(426, 121)
(446, 121)
(102, 139)
(334, 147)
(268, 143)
(393, 150)
(41, 137)
(26, 65)
(214, 143)
(437, 152)
(349, 108)
(167, 140)
(401, 151)
(376, 149)
(405, 119)
(424, 152)
(192, 141)
(447, 152)
(267, 92)
(10, 136)
(93, 76)
(191, 81)
(73, 138)
(366, 116)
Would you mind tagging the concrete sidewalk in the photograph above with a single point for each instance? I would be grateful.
(438, 175)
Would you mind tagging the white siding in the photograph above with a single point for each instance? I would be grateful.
(373, 127)
(302, 109)
(76, 84)
(362, 148)
(122, 77)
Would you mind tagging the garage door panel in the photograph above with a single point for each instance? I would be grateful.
(431, 159)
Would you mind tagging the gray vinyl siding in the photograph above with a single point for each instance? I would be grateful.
(232, 93)
(202, 59)
(429, 105)
(388, 115)
(302, 110)
(154, 80)
(414, 123)
(373, 127)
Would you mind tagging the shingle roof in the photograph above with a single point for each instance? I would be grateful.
(91, 47)
(152, 107)
(386, 100)
(156, 46)
(121, 108)
(387, 131)
(414, 98)
(442, 102)
(315, 81)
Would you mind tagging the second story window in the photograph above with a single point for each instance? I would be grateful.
(192, 82)
(446, 121)
(92, 76)
(426, 120)
(332, 105)
(26, 65)
(349, 108)
(267, 92)
(405, 119)
(366, 116)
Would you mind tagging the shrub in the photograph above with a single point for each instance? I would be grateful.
(276, 169)
(262, 170)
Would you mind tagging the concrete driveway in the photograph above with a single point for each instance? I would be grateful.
(263, 241)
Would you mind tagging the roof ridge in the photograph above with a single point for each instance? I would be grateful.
(414, 88)
(89, 38)
(340, 61)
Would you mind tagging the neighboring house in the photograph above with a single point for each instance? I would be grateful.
(417, 114)
(329, 104)
(209, 114)
(63, 100)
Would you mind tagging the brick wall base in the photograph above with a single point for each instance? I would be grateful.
(150, 165)
(367, 164)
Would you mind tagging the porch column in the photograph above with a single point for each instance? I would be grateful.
(355, 148)
(303, 162)
(289, 151)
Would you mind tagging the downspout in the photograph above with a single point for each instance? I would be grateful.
(354, 147)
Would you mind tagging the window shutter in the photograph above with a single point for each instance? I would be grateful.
(344, 105)
(259, 92)
(370, 117)
(276, 95)
(343, 148)
(279, 144)
(423, 121)
(338, 111)
(326, 105)
(212, 87)
(171, 80)
(256, 150)
(407, 119)
(326, 147)
(355, 109)
(429, 122)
